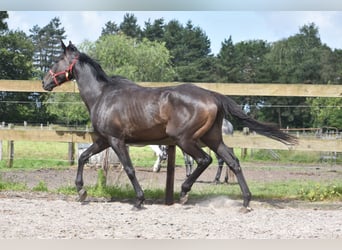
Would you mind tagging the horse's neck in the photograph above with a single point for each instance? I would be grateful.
(90, 88)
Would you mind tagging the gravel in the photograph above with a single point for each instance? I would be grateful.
(46, 215)
(40, 216)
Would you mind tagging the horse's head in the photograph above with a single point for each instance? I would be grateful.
(62, 70)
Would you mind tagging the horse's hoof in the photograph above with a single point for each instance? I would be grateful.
(183, 199)
(245, 210)
(156, 170)
(138, 206)
(82, 195)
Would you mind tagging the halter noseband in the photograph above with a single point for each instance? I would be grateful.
(66, 72)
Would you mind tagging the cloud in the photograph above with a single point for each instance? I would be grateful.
(18, 21)
(283, 24)
(218, 25)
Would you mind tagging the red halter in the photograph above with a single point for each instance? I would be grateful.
(66, 72)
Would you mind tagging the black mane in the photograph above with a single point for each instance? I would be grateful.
(97, 69)
(101, 75)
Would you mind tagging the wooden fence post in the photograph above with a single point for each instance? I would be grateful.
(71, 153)
(245, 131)
(10, 154)
(0, 150)
(170, 174)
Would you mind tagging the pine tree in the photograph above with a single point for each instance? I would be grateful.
(226, 62)
(130, 27)
(190, 50)
(111, 28)
(155, 31)
(46, 42)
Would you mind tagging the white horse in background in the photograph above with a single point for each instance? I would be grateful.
(161, 153)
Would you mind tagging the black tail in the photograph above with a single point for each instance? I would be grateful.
(269, 130)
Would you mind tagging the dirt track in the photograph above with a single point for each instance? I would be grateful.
(43, 217)
(32, 215)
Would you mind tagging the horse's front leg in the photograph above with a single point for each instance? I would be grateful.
(120, 149)
(98, 146)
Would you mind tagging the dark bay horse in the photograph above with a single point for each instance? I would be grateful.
(123, 112)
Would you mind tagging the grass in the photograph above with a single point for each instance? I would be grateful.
(36, 155)
(14, 186)
(284, 156)
(278, 190)
(281, 190)
(41, 187)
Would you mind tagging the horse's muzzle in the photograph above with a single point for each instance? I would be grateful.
(47, 87)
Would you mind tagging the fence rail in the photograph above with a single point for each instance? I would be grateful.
(244, 89)
(250, 141)
(238, 140)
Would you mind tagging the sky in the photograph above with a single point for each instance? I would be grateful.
(218, 25)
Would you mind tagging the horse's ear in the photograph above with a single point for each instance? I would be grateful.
(72, 47)
(63, 46)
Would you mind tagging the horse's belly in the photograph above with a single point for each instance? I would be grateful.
(150, 134)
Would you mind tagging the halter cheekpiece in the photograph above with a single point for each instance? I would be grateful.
(67, 72)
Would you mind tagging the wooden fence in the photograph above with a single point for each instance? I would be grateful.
(332, 144)
(250, 141)
(241, 89)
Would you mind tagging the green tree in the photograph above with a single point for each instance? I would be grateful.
(190, 50)
(226, 62)
(66, 108)
(300, 58)
(331, 70)
(16, 52)
(111, 28)
(297, 59)
(3, 24)
(46, 42)
(130, 27)
(250, 65)
(154, 31)
(137, 60)
(326, 112)
(244, 62)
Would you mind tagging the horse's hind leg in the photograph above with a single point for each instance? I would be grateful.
(232, 161)
(216, 144)
(203, 160)
(98, 146)
(120, 149)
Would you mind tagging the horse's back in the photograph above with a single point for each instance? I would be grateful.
(149, 114)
